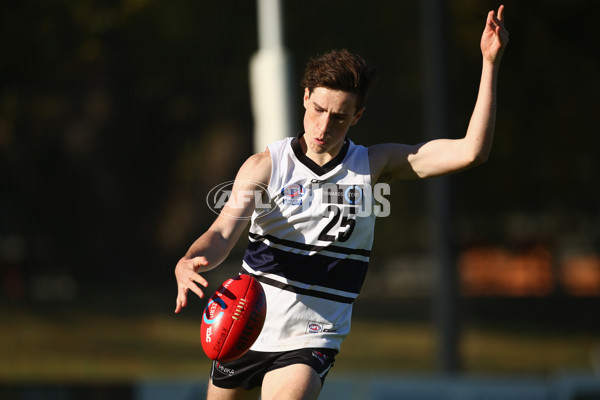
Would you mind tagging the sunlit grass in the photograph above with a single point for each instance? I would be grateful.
(528, 351)
(99, 347)
(374, 345)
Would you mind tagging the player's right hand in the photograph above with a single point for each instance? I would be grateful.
(495, 36)
(188, 279)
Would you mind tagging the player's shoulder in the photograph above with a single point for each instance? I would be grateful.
(259, 160)
(382, 149)
(388, 160)
(378, 155)
(257, 167)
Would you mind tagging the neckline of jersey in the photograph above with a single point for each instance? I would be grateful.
(313, 166)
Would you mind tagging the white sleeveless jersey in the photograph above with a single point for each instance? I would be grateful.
(311, 249)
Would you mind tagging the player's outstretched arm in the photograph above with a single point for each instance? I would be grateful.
(445, 156)
(210, 249)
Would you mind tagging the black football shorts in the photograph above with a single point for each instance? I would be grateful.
(248, 371)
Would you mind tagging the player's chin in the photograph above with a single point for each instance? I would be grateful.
(319, 148)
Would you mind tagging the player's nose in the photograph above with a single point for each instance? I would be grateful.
(323, 124)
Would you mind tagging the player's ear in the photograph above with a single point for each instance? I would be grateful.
(306, 96)
(358, 115)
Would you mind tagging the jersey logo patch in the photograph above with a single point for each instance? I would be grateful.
(319, 327)
(293, 194)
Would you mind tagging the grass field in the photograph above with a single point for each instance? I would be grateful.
(72, 346)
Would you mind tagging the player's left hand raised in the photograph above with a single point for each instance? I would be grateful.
(495, 36)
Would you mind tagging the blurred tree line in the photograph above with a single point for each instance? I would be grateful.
(117, 117)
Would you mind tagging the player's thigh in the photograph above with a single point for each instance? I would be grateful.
(294, 382)
(217, 393)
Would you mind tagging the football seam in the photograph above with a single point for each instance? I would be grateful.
(235, 322)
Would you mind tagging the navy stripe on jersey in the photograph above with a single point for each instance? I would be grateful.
(310, 247)
(308, 292)
(343, 274)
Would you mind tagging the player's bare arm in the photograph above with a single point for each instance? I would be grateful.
(446, 156)
(210, 249)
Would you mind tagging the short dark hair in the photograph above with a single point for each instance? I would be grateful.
(341, 70)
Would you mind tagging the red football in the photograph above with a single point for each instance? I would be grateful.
(233, 318)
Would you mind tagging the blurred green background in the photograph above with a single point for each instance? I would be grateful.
(117, 117)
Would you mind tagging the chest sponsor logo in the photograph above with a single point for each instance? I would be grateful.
(362, 200)
(351, 195)
(293, 194)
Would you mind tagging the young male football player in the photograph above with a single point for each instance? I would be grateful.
(310, 248)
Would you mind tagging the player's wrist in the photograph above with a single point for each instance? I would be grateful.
(490, 67)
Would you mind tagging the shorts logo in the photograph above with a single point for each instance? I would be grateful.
(293, 194)
(224, 370)
(323, 358)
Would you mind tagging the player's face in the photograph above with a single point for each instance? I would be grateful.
(329, 114)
